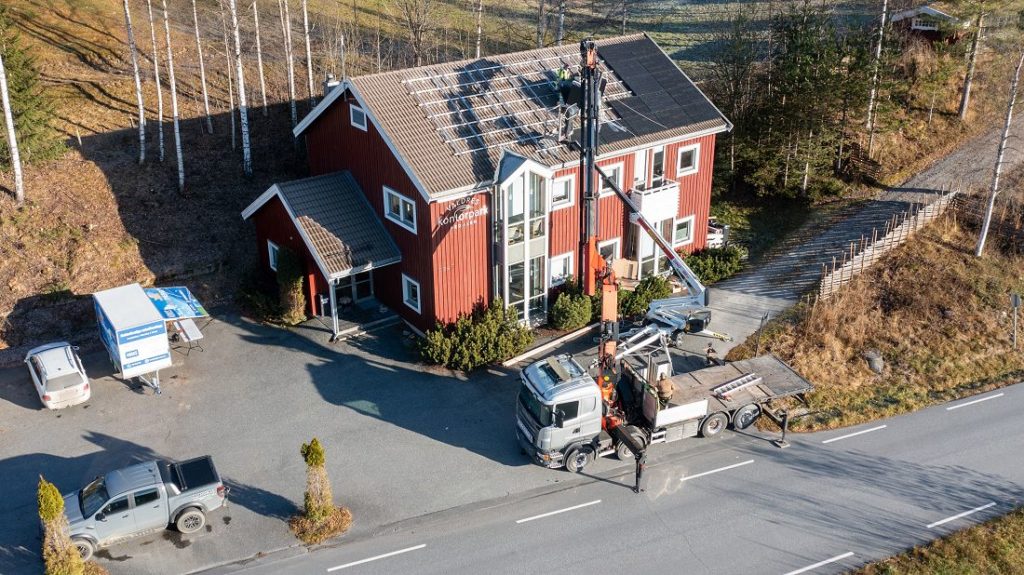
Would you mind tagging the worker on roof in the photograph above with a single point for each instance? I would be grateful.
(564, 76)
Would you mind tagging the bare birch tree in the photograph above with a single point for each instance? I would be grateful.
(227, 72)
(874, 78)
(999, 158)
(174, 96)
(418, 17)
(965, 98)
(541, 14)
(202, 68)
(560, 35)
(243, 111)
(309, 55)
(138, 82)
(259, 57)
(479, 25)
(12, 140)
(286, 31)
(156, 76)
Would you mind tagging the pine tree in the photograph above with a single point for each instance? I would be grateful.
(31, 106)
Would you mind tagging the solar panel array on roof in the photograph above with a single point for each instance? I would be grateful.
(486, 104)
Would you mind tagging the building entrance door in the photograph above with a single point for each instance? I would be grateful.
(353, 289)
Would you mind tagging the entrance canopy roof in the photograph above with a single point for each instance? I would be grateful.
(336, 223)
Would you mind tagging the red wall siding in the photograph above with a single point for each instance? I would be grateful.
(694, 189)
(272, 223)
(334, 144)
(462, 255)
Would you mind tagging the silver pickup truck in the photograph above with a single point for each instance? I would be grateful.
(141, 499)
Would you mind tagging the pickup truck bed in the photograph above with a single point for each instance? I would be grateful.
(187, 475)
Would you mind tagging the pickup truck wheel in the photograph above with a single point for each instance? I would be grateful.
(714, 424)
(578, 458)
(85, 548)
(746, 416)
(190, 521)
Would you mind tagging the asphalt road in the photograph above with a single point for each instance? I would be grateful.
(832, 501)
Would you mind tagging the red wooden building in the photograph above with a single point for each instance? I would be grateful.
(463, 171)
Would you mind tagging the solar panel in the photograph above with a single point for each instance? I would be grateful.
(485, 104)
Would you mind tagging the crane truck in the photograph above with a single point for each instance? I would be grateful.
(567, 416)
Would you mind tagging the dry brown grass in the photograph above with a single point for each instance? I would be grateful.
(94, 568)
(938, 316)
(313, 532)
(993, 547)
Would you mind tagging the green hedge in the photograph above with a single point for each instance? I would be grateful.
(572, 308)
(635, 303)
(487, 336)
(715, 264)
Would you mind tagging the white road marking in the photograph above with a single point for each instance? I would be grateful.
(368, 559)
(959, 515)
(965, 404)
(726, 468)
(550, 513)
(848, 435)
(820, 563)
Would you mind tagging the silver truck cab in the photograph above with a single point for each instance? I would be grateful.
(558, 410)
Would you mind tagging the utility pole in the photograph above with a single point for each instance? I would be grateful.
(965, 98)
(12, 140)
(999, 158)
(874, 79)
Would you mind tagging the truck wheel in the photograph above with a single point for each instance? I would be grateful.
(578, 458)
(85, 548)
(623, 452)
(746, 416)
(190, 520)
(714, 424)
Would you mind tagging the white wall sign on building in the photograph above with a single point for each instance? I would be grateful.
(463, 212)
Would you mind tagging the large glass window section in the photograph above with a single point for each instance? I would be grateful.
(658, 168)
(517, 286)
(538, 206)
(516, 212)
(537, 288)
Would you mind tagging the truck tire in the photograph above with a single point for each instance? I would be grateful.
(714, 424)
(85, 547)
(746, 416)
(622, 451)
(578, 458)
(190, 520)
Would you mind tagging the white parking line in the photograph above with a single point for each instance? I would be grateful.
(726, 468)
(965, 404)
(550, 513)
(820, 563)
(959, 515)
(848, 435)
(367, 560)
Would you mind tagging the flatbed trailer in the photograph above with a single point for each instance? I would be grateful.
(559, 410)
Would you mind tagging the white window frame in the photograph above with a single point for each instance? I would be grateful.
(605, 191)
(352, 108)
(696, 160)
(273, 250)
(388, 192)
(618, 247)
(675, 224)
(572, 192)
(568, 257)
(406, 282)
(639, 164)
(924, 24)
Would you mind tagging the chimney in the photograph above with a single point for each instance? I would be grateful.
(329, 83)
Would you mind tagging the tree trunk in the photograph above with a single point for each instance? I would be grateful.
(286, 30)
(309, 55)
(874, 79)
(202, 69)
(156, 75)
(999, 158)
(174, 97)
(479, 25)
(379, 63)
(560, 36)
(227, 72)
(965, 98)
(625, 11)
(931, 110)
(138, 82)
(12, 140)
(259, 57)
(540, 23)
(243, 110)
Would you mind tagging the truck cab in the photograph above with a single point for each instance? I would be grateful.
(558, 410)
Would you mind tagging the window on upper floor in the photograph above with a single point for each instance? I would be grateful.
(614, 174)
(358, 116)
(400, 209)
(563, 192)
(688, 160)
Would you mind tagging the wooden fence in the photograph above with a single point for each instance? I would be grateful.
(862, 254)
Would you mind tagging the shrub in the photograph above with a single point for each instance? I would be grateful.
(320, 518)
(573, 308)
(635, 303)
(487, 336)
(715, 264)
(289, 281)
(60, 557)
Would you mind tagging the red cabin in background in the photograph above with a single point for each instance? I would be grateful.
(459, 166)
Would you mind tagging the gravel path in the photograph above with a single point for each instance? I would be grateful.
(773, 286)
